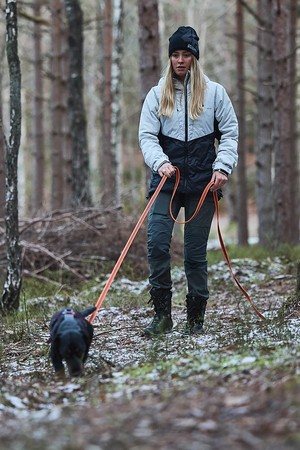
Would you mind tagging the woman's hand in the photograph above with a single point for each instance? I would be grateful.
(166, 169)
(219, 179)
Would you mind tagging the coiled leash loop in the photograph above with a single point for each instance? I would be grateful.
(200, 203)
(139, 224)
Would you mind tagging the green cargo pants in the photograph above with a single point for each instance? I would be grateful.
(196, 233)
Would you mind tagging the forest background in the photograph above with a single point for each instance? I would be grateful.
(75, 187)
(113, 73)
(85, 69)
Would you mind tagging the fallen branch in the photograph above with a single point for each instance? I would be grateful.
(41, 249)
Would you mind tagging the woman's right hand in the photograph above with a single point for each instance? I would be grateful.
(166, 169)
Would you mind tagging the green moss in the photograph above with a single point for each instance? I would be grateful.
(215, 364)
(256, 252)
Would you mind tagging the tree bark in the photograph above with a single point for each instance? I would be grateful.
(116, 84)
(38, 116)
(13, 281)
(2, 152)
(298, 280)
(281, 124)
(292, 71)
(65, 129)
(264, 194)
(81, 195)
(108, 168)
(56, 106)
(149, 59)
(241, 170)
(61, 157)
(149, 43)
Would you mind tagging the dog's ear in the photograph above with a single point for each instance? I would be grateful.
(88, 311)
(54, 319)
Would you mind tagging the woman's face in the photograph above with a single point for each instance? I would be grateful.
(181, 62)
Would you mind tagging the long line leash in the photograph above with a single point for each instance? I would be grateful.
(125, 250)
(225, 254)
(139, 224)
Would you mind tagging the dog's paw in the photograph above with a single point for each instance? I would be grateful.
(60, 373)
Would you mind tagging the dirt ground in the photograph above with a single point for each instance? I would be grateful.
(234, 387)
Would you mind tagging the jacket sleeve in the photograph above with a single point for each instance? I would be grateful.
(227, 155)
(149, 128)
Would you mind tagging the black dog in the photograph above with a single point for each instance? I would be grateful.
(70, 337)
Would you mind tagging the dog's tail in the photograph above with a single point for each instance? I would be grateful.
(88, 311)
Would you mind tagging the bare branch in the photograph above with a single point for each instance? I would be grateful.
(251, 11)
(37, 19)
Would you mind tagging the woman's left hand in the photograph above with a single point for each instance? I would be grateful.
(219, 179)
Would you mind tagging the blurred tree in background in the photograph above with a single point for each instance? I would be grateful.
(12, 285)
(124, 49)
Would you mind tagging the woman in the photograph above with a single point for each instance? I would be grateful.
(180, 120)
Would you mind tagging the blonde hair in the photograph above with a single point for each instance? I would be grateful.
(167, 101)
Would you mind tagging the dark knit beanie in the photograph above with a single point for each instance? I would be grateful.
(185, 38)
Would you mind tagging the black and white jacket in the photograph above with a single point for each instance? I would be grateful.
(186, 143)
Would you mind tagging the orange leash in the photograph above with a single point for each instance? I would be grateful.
(200, 203)
(125, 250)
(225, 254)
(139, 224)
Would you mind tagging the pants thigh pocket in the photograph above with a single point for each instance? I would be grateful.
(161, 204)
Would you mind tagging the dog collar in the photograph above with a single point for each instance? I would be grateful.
(68, 311)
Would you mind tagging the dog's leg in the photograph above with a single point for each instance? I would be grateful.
(57, 363)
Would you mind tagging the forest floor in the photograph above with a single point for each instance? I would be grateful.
(236, 386)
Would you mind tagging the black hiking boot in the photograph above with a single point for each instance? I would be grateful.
(196, 307)
(162, 322)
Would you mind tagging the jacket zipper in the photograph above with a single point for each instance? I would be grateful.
(186, 123)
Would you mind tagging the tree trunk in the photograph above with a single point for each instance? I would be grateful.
(65, 129)
(2, 152)
(38, 116)
(281, 124)
(81, 195)
(116, 83)
(149, 60)
(241, 170)
(56, 106)
(149, 43)
(264, 195)
(108, 167)
(298, 280)
(13, 281)
(292, 70)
